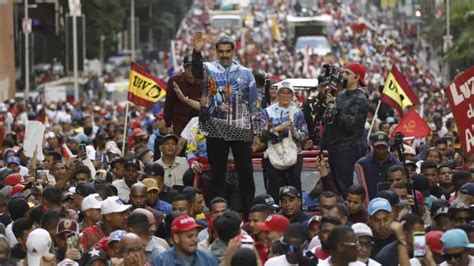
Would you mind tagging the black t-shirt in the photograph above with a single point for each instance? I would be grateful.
(388, 255)
(381, 243)
(438, 192)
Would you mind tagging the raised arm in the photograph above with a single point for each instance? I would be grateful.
(197, 62)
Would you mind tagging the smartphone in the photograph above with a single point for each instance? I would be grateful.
(82, 147)
(42, 175)
(419, 244)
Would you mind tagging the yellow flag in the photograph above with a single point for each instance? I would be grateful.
(275, 28)
(143, 88)
(397, 93)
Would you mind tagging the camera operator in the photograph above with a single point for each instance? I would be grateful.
(314, 107)
(345, 117)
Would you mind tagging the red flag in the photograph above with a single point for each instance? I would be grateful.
(412, 125)
(66, 152)
(460, 94)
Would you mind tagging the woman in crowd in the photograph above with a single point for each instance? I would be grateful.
(284, 118)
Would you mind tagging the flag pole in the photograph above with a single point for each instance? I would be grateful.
(125, 129)
(373, 120)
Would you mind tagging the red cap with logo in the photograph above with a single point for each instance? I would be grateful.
(274, 223)
(433, 240)
(359, 70)
(183, 223)
(13, 179)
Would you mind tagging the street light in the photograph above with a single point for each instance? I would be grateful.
(27, 29)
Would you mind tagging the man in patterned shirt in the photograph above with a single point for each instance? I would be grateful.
(228, 112)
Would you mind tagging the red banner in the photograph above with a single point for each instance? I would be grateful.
(461, 98)
(412, 125)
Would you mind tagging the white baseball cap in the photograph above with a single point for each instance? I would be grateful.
(113, 205)
(361, 229)
(93, 201)
(38, 243)
(286, 85)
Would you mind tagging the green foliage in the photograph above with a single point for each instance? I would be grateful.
(103, 17)
(461, 54)
(109, 17)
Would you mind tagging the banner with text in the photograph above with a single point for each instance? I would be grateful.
(461, 98)
(143, 88)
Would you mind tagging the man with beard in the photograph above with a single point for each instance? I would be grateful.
(343, 243)
(228, 115)
(184, 231)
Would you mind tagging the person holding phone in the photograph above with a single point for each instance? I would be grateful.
(389, 254)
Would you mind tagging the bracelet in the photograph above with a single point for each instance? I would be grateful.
(402, 242)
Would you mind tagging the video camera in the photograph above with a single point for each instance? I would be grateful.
(335, 75)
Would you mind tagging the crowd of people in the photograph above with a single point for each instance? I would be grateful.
(182, 191)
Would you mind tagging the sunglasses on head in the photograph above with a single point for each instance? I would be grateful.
(455, 256)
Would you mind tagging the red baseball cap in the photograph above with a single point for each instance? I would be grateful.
(18, 188)
(359, 70)
(183, 223)
(274, 223)
(13, 179)
(433, 240)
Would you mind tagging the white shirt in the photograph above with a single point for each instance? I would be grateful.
(315, 242)
(10, 236)
(279, 261)
(186, 133)
(327, 262)
(123, 189)
(174, 173)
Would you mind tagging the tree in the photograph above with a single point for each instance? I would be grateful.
(104, 17)
(461, 54)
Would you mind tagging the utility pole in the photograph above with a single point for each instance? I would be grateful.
(75, 11)
(26, 30)
(132, 30)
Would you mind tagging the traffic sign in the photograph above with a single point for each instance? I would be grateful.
(26, 24)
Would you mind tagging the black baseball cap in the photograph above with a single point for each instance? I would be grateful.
(266, 200)
(133, 162)
(289, 191)
(154, 169)
(187, 60)
(380, 138)
(84, 189)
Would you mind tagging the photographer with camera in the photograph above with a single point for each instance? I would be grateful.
(344, 119)
(314, 107)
